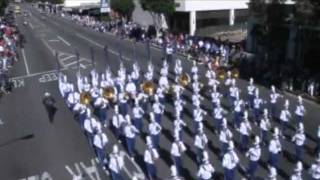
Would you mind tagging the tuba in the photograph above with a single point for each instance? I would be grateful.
(148, 87)
(184, 79)
(221, 73)
(109, 93)
(85, 98)
(235, 73)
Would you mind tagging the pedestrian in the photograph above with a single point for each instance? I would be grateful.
(177, 148)
(300, 111)
(154, 131)
(49, 103)
(130, 132)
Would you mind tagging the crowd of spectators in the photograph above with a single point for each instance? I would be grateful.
(203, 49)
(214, 52)
(8, 51)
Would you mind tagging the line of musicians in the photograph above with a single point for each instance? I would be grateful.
(125, 100)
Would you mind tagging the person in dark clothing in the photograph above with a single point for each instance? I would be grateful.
(49, 103)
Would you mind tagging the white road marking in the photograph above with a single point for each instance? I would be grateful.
(139, 175)
(1, 122)
(101, 46)
(48, 46)
(18, 83)
(31, 26)
(53, 40)
(25, 61)
(82, 66)
(36, 74)
(64, 41)
(66, 58)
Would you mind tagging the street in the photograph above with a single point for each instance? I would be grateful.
(33, 148)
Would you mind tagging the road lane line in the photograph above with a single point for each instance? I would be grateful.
(25, 61)
(66, 58)
(31, 26)
(53, 40)
(36, 74)
(101, 46)
(63, 40)
(48, 46)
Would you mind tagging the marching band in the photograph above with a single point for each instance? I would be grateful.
(125, 101)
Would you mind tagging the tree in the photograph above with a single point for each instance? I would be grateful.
(123, 7)
(157, 8)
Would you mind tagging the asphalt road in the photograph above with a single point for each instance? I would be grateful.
(31, 147)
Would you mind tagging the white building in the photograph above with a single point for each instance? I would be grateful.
(209, 8)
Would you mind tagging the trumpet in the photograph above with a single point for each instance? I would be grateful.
(221, 73)
(85, 98)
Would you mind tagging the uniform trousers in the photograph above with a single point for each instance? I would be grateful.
(229, 174)
(253, 165)
(155, 140)
(256, 112)
(123, 109)
(115, 176)
(152, 171)
(273, 159)
(178, 163)
(130, 142)
(299, 152)
(157, 117)
(138, 123)
(101, 155)
(236, 120)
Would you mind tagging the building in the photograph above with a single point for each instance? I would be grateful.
(80, 5)
(194, 14)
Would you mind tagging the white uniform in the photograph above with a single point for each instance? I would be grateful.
(205, 171)
(100, 140)
(116, 162)
(299, 138)
(177, 148)
(200, 140)
(150, 155)
(91, 124)
(230, 160)
(300, 110)
(285, 115)
(154, 128)
(275, 146)
(225, 135)
(245, 128)
(254, 153)
(130, 131)
(315, 171)
(117, 120)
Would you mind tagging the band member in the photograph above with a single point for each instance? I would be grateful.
(178, 126)
(198, 114)
(315, 169)
(238, 106)
(245, 131)
(265, 126)
(274, 148)
(137, 115)
(215, 96)
(206, 169)
(272, 173)
(150, 155)
(224, 137)
(285, 116)
(273, 100)
(230, 162)
(100, 140)
(117, 122)
(300, 110)
(154, 131)
(101, 107)
(177, 148)
(297, 174)
(254, 155)
(91, 125)
(130, 132)
(257, 102)
(200, 142)
(299, 139)
(158, 110)
(116, 163)
(250, 90)
(218, 112)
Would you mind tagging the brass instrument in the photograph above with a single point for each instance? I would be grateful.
(235, 73)
(109, 93)
(221, 73)
(184, 79)
(148, 87)
(85, 98)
